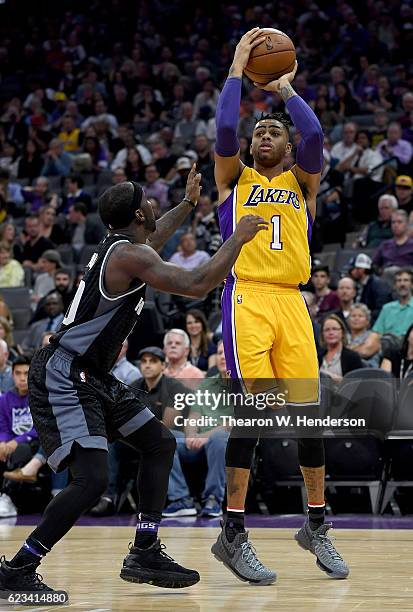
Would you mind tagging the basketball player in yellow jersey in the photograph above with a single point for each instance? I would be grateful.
(267, 330)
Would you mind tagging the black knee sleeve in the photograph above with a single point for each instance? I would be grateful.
(311, 452)
(240, 451)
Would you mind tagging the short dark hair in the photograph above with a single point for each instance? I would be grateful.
(279, 116)
(21, 360)
(80, 207)
(117, 204)
(76, 178)
(408, 271)
(366, 133)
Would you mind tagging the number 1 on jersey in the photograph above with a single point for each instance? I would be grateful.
(276, 244)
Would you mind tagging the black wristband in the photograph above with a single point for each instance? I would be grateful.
(193, 204)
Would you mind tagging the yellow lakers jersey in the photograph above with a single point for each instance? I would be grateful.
(281, 254)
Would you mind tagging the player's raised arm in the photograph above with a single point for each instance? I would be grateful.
(310, 150)
(140, 261)
(227, 162)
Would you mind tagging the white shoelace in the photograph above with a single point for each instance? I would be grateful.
(250, 557)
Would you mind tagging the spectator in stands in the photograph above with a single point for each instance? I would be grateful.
(326, 300)
(395, 146)
(379, 230)
(53, 306)
(395, 317)
(64, 287)
(11, 271)
(205, 163)
(40, 195)
(49, 262)
(372, 291)
(118, 176)
(336, 359)
(75, 193)
(84, 229)
(360, 338)
(134, 168)
(203, 352)
(189, 257)
(6, 377)
(176, 347)
(398, 251)
(69, 136)
(188, 127)
(400, 362)
(407, 106)
(199, 441)
(34, 245)
(12, 191)
(365, 159)
(58, 162)
(49, 228)
(205, 226)
(8, 234)
(345, 105)
(381, 124)
(328, 118)
(18, 437)
(155, 187)
(346, 147)
(123, 369)
(403, 188)
(178, 184)
(163, 159)
(346, 293)
(30, 163)
(98, 155)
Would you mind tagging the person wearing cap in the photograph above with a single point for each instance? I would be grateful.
(123, 369)
(49, 262)
(403, 189)
(380, 229)
(398, 251)
(326, 300)
(177, 185)
(371, 290)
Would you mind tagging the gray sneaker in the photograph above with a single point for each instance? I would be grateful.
(240, 558)
(318, 543)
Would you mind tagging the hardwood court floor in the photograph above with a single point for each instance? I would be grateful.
(87, 562)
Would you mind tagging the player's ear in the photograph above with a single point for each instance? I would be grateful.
(251, 148)
(288, 148)
(139, 216)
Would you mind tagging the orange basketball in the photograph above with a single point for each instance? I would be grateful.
(272, 58)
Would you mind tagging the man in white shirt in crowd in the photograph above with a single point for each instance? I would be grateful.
(189, 257)
(176, 347)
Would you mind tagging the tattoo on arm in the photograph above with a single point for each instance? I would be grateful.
(167, 224)
(286, 91)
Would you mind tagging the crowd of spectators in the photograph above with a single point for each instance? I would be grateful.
(91, 96)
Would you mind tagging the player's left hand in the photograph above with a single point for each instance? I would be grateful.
(193, 185)
(277, 84)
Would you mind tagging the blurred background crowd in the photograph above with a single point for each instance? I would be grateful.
(93, 95)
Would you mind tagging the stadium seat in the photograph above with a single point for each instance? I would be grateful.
(86, 253)
(16, 297)
(66, 253)
(21, 317)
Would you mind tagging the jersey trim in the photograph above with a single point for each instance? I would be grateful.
(102, 271)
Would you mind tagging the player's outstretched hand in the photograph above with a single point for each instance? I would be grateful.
(251, 39)
(248, 226)
(277, 84)
(193, 185)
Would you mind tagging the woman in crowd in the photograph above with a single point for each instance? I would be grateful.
(48, 227)
(11, 271)
(336, 359)
(134, 168)
(6, 334)
(8, 234)
(345, 105)
(202, 353)
(30, 164)
(360, 338)
(400, 362)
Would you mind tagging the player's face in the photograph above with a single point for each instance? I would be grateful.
(269, 143)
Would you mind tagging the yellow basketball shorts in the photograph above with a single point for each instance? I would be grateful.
(269, 340)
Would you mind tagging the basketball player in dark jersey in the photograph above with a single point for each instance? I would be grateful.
(77, 405)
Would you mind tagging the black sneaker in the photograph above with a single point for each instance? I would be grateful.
(104, 507)
(153, 566)
(16, 579)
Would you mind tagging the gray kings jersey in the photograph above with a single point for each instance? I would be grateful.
(96, 324)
